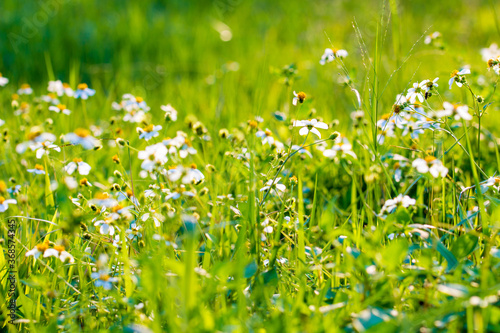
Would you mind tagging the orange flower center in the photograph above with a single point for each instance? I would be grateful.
(39, 167)
(429, 159)
(82, 132)
(43, 246)
(149, 128)
(104, 277)
(59, 248)
(82, 86)
(102, 196)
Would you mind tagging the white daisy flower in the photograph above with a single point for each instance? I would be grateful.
(299, 97)
(310, 126)
(58, 251)
(37, 170)
(490, 52)
(50, 98)
(417, 92)
(4, 203)
(273, 186)
(301, 150)
(458, 77)
(330, 54)
(178, 192)
(134, 231)
(60, 108)
(44, 148)
(103, 279)
(266, 137)
(433, 36)
(77, 164)
(38, 249)
(170, 112)
(430, 165)
(56, 87)
(152, 156)
(131, 103)
(3, 80)
(25, 89)
(456, 110)
(391, 204)
(189, 175)
(82, 137)
(135, 117)
(149, 132)
(106, 226)
(428, 85)
(103, 200)
(83, 91)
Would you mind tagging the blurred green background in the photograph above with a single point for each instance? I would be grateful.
(173, 51)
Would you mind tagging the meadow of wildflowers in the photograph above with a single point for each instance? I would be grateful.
(250, 166)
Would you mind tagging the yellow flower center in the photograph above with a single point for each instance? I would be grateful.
(104, 277)
(385, 116)
(34, 135)
(129, 193)
(117, 208)
(59, 248)
(139, 99)
(77, 160)
(268, 133)
(82, 132)
(193, 166)
(43, 246)
(149, 128)
(25, 86)
(61, 107)
(2, 199)
(39, 167)
(454, 73)
(84, 182)
(82, 86)
(429, 159)
(102, 196)
(66, 86)
(301, 96)
(397, 165)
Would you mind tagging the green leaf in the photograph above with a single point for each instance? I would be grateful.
(395, 253)
(464, 245)
(250, 269)
(402, 215)
(49, 198)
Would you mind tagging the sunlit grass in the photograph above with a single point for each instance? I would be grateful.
(213, 168)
